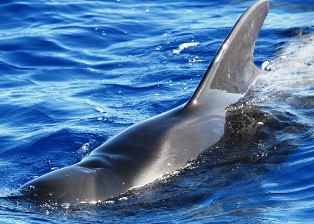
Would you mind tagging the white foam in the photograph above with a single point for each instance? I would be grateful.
(184, 46)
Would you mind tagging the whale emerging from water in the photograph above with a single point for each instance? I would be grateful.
(164, 143)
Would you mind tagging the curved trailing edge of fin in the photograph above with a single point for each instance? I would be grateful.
(233, 69)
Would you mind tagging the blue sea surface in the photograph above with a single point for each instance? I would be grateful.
(75, 73)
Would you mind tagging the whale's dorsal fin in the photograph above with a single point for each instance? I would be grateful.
(232, 69)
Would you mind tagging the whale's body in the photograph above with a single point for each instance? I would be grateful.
(164, 143)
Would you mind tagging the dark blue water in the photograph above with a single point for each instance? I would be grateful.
(74, 73)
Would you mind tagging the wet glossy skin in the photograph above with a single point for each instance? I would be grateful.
(164, 143)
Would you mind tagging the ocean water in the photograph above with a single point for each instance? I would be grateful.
(74, 73)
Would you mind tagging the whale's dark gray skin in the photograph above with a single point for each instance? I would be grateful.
(164, 143)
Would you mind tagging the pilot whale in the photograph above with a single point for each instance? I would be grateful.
(162, 144)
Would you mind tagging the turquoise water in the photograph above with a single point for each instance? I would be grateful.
(74, 73)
